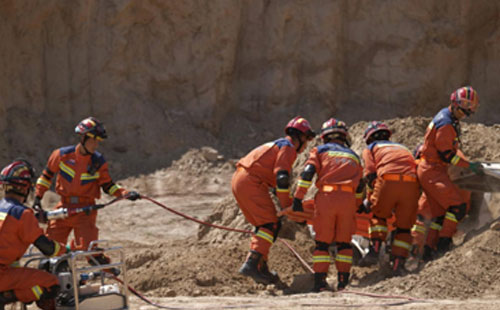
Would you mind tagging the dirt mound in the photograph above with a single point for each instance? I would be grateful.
(471, 270)
(198, 171)
(206, 261)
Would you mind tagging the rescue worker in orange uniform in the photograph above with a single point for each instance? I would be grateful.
(391, 177)
(428, 236)
(440, 149)
(18, 229)
(267, 166)
(339, 193)
(82, 172)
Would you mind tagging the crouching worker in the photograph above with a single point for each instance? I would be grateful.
(267, 166)
(439, 151)
(391, 174)
(339, 192)
(18, 229)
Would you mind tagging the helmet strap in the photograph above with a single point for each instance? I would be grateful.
(84, 139)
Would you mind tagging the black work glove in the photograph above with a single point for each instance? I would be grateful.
(297, 205)
(365, 207)
(37, 204)
(41, 216)
(133, 195)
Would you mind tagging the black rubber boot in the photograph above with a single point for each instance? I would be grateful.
(428, 254)
(264, 269)
(443, 245)
(251, 269)
(320, 283)
(343, 280)
(6, 298)
(46, 304)
(371, 258)
(398, 266)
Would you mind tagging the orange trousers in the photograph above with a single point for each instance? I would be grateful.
(334, 220)
(440, 194)
(27, 283)
(83, 225)
(258, 208)
(400, 198)
(427, 207)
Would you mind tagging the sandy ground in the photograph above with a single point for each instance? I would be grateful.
(181, 265)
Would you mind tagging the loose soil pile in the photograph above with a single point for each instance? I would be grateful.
(170, 256)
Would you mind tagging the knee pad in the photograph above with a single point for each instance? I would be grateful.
(402, 231)
(273, 227)
(322, 246)
(343, 246)
(50, 293)
(459, 211)
(438, 220)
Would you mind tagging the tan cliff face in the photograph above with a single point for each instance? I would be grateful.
(168, 75)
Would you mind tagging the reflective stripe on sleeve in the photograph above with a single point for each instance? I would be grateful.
(37, 291)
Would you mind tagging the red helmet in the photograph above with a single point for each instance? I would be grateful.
(334, 125)
(375, 127)
(466, 99)
(91, 127)
(18, 177)
(300, 124)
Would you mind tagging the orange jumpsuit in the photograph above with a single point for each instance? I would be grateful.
(339, 172)
(78, 182)
(440, 149)
(395, 189)
(428, 209)
(255, 174)
(18, 229)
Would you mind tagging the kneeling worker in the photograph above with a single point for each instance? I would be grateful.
(18, 229)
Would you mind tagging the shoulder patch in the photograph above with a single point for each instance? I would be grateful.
(12, 208)
(283, 142)
(443, 118)
(67, 150)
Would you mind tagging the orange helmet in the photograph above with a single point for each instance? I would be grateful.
(17, 177)
(91, 127)
(376, 127)
(300, 124)
(333, 126)
(466, 99)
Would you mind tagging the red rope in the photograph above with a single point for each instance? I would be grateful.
(294, 252)
(195, 219)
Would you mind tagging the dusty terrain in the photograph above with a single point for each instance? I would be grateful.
(180, 264)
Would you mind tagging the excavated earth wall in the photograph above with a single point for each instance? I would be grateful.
(169, 75)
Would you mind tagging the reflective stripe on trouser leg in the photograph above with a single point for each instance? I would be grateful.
(418, 236)
(343, 260)
(321, 261)
(433, 234)
(418, 233)
(401, 245)
(449, 225)
(378, 228)
(262, 241)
